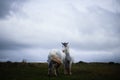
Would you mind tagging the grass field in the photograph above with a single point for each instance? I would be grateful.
(38, 71)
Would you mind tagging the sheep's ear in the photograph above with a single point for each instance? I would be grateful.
(67, 42)
(61, 42)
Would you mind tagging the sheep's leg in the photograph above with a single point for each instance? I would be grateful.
(57, 65)
(66, 68)
(70, 73)
(50, 66)
(55, 73)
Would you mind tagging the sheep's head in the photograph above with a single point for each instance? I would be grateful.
(65, 44)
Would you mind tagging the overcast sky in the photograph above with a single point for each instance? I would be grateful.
(29, 29)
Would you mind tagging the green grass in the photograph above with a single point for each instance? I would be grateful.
(38, 71)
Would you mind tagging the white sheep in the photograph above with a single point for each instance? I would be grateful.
(56, 58)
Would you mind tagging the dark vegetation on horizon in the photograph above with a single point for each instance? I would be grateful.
(38, 71)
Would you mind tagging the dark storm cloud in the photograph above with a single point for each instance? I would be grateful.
(6, 44)
(11, 44)
(7, 6)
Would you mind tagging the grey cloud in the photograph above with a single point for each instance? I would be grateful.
(109, 21)
(108, 25)
(93, 46)
(12, 45)
(9, 5)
